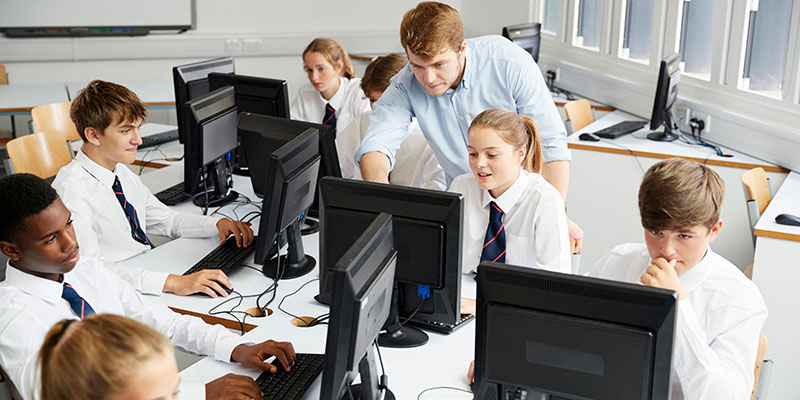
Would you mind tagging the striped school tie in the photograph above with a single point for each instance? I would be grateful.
(130, 212)
(330, 118)
(494, 246)
(78, 304)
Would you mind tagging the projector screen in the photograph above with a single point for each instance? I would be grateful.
(154, 14)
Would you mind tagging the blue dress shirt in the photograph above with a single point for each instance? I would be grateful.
(498, 74)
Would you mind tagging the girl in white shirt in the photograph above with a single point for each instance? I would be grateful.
(332, 96)
(415, 164)
(505, 156)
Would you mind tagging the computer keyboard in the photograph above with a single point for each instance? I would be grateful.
(225, 257)
(291, 385)
(442, 327)
(172, 195)
(619, 129)
(158, 138)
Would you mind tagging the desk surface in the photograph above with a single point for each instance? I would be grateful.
(19, 99)
(786, 200)
(159, 156)
(153, 93)
(637, 144)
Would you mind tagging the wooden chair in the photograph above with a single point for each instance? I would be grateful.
(762, 371)
(579, 114)
(3, 75)
(55, 118)
(41, 154)
(757, 197)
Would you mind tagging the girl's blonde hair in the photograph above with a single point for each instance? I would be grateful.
(97, 356)
(333, 53)
(516, 130)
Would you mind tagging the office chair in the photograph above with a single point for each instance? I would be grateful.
(762, 372)
(4, 132)
(55, 118)
(757, 197)
(579, 114)
(41, 154)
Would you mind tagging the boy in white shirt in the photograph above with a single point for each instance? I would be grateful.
(113, 210)
(720, 311)
(47, 280)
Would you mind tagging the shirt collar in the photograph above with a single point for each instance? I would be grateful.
(338, 98)
(96, 170)
(42, 288)
(697, 274)
(511, 196)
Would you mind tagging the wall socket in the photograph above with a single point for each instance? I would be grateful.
(706, 118)
(687, 114)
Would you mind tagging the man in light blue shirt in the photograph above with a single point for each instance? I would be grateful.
(447, 82)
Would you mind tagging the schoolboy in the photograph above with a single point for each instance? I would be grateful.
(113, 210)
(47, 280)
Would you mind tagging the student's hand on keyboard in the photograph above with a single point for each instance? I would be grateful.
(230, 387)
(256, 355)
(576, 234)
(471, 373)
(209, 281)
(240, 230)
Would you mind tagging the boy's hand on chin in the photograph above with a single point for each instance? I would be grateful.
(662, 274)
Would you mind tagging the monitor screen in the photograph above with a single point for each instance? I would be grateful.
(191, 81)
(547, 353)
(255, 95)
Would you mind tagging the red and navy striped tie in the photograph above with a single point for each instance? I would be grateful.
(130, 212)
(330, 117)
(78, 304)
(494, 246)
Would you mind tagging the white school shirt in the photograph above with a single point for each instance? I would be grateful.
(30, 306)
(101, 227)
(348, 101)
(416, 164)
(535, 223)
(718, 323)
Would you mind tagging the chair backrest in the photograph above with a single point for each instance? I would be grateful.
(41, 154)
(55, 118)
(3, 75)
(756, 193)
(579, 112)
(760, 356)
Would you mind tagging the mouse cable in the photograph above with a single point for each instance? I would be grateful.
(419, 396)
(280, 305)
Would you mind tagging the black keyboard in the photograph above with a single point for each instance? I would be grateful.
(159, 138)
(619, 129)
(225, 257)
(294, 384)
(442, 327)
(172, 195)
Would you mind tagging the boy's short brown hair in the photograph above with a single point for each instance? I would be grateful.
(100, 102)
(431, 27)
(678, 193)
(380, 71)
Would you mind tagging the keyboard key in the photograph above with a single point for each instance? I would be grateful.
(291, 385)
(226, 257)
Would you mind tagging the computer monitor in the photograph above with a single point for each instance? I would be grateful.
(526, 36)
(546, 335)
(363, 278)
(669, 75)
(191, 81)
(427, 227)
(210, 122)
(290, 178)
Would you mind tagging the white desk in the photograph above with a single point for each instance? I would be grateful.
(19, 99)
(154, 93)
(159, 156)
(604, 186)
(776, 271)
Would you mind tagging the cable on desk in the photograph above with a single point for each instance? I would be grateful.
(146, 162)
(419, 396)
(635, 157)
(233, 311)
(317, 320)
(419, 305)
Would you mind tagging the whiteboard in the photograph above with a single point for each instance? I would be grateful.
(96, 13)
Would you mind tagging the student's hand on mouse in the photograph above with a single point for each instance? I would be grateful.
(471, 373)
(209, 281)
(241, 231)
(233, 387)
(661, 274)
(254, 356)
(575, 233)
(467, 306)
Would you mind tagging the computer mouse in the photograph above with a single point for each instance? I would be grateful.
(588, 137)
(788, 219)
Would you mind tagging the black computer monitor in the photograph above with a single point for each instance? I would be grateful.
(427, 227)
(526, 36)
(210, 122)
(363, 278)
(290, 178)
(546, 335)
(191, 81)
(666, 93)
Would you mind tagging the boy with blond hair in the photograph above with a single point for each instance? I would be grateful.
(720, 311)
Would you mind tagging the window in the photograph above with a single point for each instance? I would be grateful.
(550, 16)
(766, 45)
(588, 24)
(697, 37)
(637, 18)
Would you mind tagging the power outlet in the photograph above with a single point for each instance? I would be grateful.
(233, 45)
(706, 118)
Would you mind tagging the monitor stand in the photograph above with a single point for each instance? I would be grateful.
(369, 388)
(398, 335)
(220, 192)
(294, 264)
(668, 134)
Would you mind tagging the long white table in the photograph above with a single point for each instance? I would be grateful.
(19, 99)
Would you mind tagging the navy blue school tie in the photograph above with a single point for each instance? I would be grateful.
(78, 304)
(130, 212)
(494, 246)
(330, 117)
